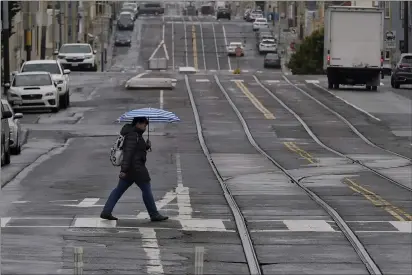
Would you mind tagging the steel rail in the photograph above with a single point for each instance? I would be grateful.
(349, 234)
(247, 244)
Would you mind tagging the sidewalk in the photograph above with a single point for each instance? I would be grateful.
(102, 39)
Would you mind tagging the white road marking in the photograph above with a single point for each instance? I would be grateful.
(203, 45)
(312, 81)
(4, 221)
(91, 95)
(217, 54)
(237, 80)
(163, 32)
(155, 51)
(203, 225)
(308, 225)
(20, 202)
(272, 81)
(93, 223)
(168, 197)
(347, 102)
(183, 198)
(87, 202)
(28, 169)
(199, 253)
(212, 71)
(161, 99)
(202, 80)
(64, 201)
(245, 71)
(224, 35)
(151, 247)
(173, 45)
(187, 59)
(165, 50)
(403, 226)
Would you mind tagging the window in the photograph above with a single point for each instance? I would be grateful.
(387, 9)
(401, 9)
(32, 80)
(387, 55)
(52, 68)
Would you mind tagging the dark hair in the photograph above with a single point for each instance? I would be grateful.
(140, 120)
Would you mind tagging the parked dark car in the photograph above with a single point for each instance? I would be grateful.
(223, 13)
(207, 9)
(151, 8)
(122, 39)
(272, 60)
(5, 136)
(131, 10)
(402, 74)
(125, 22)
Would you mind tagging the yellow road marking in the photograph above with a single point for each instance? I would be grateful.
(378, 201)
(293, 147)
(254, 100)
(194, 46)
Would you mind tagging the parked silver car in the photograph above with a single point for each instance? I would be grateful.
(16, 137)
(5, 136)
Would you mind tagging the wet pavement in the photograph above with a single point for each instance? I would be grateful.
(54, 191)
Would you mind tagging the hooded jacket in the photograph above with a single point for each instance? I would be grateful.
(134, 154)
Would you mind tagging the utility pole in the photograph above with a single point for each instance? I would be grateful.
(6, 51)
(53, 25)
(405, 26)
(43, 30)
(27, 29)
(74, 21)
(66, 21)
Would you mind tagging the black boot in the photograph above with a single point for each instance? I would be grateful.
(109, 217)
(158, 218)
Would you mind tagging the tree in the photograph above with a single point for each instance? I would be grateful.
(308, 58)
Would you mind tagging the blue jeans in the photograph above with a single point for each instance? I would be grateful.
(122, 187)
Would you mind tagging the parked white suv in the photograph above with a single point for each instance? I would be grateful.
(59, 75)
(77, 55)
(33, 90)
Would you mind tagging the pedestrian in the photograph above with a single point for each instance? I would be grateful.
(133, 170)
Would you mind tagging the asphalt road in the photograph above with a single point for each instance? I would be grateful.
(52, 193)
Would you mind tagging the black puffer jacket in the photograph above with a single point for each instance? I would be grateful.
(134, 155)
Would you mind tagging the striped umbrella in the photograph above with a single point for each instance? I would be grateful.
(152, 114)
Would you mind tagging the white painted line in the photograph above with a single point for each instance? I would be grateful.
(5, 221)
(224, 35)
(217, 54)
(165, 50)
(272, 81)
(161, 99)
(20, 202)
(93, 223)
(312, 81)
(203, 225)
(151, 247)
(212, 71)
(28, 169)
(202, 80)
(173, 45)
(203, 45)
(163, 32)
(187, 59)
(155, 51)
(64, 201)
(275, 230)
(183, 197)
(347, 102)
(403, 226)
(308, 225)
(168, 197)
(87, 202)
(236, 80)
(259, 72)
(199, 254)
(91, 95)
(245, 71)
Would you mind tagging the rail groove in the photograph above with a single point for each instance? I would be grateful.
(247, 244)
(330, 149)
(349, 234)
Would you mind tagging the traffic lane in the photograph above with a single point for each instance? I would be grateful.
(243, 32)
(262, 192)
(211, 52)
(152, 35)
(128, 58)
(275, 129)
(221, 46)
(199, 45)
(392, 252)
(330, 130)
(384, 117)
(218, 214)
(181, 48)
(170, 43)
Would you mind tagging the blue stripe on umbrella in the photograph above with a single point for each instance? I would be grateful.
(154, 115)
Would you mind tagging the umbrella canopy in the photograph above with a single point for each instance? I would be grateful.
(152, 114)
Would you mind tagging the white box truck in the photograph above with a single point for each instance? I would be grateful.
(353, 46)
